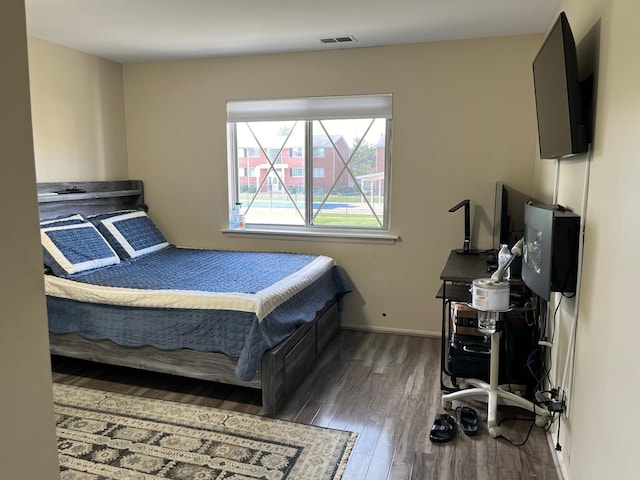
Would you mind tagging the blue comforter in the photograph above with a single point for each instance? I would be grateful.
(174, 273)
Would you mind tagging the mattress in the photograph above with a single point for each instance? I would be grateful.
(237, 303)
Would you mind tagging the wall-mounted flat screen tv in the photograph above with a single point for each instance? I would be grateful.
(562, 130)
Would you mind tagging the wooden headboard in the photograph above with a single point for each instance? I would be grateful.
(89, 198)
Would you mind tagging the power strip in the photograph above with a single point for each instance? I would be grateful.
(550, 400)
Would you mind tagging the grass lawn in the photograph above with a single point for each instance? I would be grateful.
(351, 220)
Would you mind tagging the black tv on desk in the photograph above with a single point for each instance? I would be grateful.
(550, 251)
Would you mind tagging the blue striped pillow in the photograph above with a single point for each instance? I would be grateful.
(74, 248)
(132, 234)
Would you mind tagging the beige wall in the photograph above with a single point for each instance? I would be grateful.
(599, 435)
(78, 110)
(463, 119)
(27, 432)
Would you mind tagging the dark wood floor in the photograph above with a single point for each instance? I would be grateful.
(385, 387)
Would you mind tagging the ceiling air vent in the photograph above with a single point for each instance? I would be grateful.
(338, 39)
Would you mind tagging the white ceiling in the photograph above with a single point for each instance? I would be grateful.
(151, 30)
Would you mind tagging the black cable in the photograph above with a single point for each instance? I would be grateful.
(547, 371)
(531, 363)
(537, 358)
(542, 328)
(542, 322)
(544, 372)
(526, 439)
(558, 446)
(550, 421)
(530, 314)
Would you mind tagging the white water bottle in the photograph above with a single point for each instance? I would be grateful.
(234, 216)
(503, 257)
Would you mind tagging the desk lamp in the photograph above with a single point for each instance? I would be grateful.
(466, 246)
(492, 393)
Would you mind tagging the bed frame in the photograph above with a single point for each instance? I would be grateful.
(282, 368)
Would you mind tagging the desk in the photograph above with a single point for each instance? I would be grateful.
(457, 277)
(465, 269)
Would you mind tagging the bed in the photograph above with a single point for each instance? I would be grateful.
(119, 293)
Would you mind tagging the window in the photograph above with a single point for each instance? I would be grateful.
(323, 162)
(274, 155)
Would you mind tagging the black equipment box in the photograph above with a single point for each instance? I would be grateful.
(469, 356)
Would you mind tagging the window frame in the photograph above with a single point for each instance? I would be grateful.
(309, 150)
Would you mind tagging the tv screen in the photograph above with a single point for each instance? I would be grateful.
(561, 126)
(550, 250)
(508, 215)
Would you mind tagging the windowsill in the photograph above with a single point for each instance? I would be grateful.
(350, 237)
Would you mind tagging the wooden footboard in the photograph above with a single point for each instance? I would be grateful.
(280, 373)
(285, 366)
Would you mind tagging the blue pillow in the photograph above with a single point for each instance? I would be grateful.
(75, 248)
(132, 234)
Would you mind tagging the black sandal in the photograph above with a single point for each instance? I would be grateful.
(468, 420)
(442, 429)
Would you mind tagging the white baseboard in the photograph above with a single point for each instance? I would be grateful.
(397, 331)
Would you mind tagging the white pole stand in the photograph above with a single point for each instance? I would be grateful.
(493, 394)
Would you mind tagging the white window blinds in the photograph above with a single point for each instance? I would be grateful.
(310, 108)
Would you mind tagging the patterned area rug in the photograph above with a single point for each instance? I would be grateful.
(104, 435)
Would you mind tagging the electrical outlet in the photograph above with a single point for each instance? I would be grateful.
(550, 400)
(556, 406)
